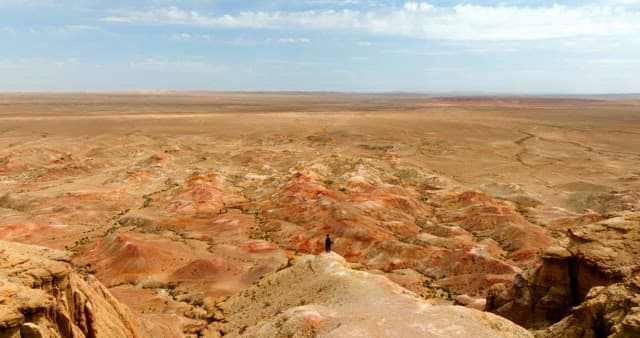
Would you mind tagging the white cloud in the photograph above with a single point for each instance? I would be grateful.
(289, 62)
(613, 62)
(443, 69)
(161, 64)
(181, 36)
(344, 72)
(593, 45)
(28, 3)
(415, 7)
(25, 63)
(78, 28)
(488, 49)
(190, 37)
(419, 20)
(421, 52)
(411, 6)
(624, 2)
(62, 30)
(293, 40)
(334, 2)
(425, 6)
(52, 74)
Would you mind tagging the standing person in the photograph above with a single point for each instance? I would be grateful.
(327, 244)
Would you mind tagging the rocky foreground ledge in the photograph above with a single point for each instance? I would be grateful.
(41, 296)
(320, 296)
(587, 286)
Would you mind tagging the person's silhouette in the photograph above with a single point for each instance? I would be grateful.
(327, 244)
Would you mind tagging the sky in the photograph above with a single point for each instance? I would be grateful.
(518, 46)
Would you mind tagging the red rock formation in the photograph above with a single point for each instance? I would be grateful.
(365, 225)
(483, 216)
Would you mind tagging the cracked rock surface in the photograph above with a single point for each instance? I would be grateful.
(41, 296)
(587, 286)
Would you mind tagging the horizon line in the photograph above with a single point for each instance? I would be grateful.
(477, 93)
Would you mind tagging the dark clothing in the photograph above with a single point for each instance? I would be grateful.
(327, 244)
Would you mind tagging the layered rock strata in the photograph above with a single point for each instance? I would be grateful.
(587, 287)
(40, 296)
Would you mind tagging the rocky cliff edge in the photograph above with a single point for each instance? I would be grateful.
(323, 296)
(41, 296)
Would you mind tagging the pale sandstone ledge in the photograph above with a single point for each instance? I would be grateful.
(588, 287)
(321, 296)
(40, 296)
(316, 296)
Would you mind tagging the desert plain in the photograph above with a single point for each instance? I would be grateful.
(204, 214)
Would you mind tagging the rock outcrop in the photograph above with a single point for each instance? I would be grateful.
(40, 296)
(321, 296)
(588, 286)
(612, 311)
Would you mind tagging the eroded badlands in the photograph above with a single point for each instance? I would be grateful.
(199, 210)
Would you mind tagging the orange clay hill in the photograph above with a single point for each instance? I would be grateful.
(204, 214)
